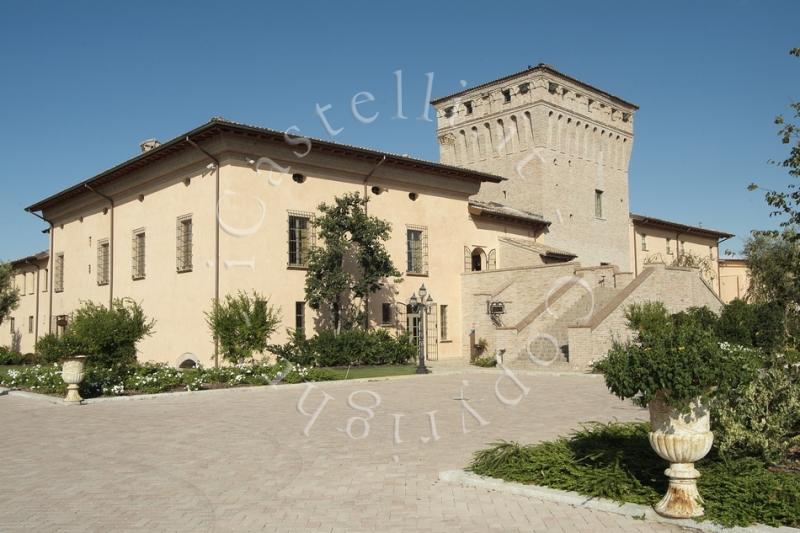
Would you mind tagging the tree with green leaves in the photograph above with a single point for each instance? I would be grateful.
(352, 261)
(787, 202)
(9, 295)
(773, 257)
(242, 325)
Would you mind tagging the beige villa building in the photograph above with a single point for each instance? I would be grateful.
(522, 233)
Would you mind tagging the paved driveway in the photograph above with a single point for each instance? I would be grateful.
(239, 460)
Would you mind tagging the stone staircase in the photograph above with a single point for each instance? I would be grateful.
(543, 343)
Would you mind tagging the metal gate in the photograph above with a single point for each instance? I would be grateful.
(432, 333)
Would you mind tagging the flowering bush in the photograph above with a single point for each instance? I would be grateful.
(150, 378)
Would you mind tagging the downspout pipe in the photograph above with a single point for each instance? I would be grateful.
(110, 245)
(38, 281)
(51, 262)
(366, 212)
(216, 235)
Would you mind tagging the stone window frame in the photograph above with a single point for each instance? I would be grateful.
(103, 261)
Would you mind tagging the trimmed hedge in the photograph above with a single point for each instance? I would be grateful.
(348, 348)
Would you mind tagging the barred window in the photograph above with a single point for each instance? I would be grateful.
(58, 282)
(681, 247)
(644, 242)
(30, 324)
(46, 279)
(443, 321)
(300, 317)
(598, 203)
(416, 250)
(301, 238)
(386, 314)
(183, 246)
(669, 246)
(138, 254)
(103, 263)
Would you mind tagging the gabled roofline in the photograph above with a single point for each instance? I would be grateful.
(41, 256)
(218, 126)
(542, 67)
(677, 226)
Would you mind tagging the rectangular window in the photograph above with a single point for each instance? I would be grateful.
(13, 329)
(58, 282)
(138, 254)
(300, 238)
(711, 252)
(24, 283)
(103, 262)
(386, 314)
(183, 244)
(30, 324)
(416, 250)
(443, 320)
(669, 246)
(506, 95)
(598, 203)
(468, 107)
(32, 286)
(681, 247)
(300, 317)
(644, 242)
(46, 279)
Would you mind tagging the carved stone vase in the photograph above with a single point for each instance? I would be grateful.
(681, 439)
(72, 372)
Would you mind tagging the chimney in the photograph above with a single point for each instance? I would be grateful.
(149, 144)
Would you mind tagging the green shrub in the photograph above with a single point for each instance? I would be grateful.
(107, 336)
(761, 418)
(44, 379)
(673, 354)
(11, 357)
(349, 348)
(752, 325)
(486, 362)
(242, 325)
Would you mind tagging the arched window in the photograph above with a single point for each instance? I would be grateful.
(478, 260)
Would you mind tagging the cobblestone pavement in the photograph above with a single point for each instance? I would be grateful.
(239, 460)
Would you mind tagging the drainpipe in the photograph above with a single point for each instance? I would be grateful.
(36, 312)
(216, 236)
(366, 212)
(110, 246)
(50, 262)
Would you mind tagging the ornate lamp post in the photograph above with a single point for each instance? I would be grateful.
(420, 309)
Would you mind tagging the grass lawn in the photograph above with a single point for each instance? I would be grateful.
(615, 461)
(371, 371)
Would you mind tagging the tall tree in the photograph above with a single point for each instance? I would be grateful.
(787, 202)
(9, 295)
(351, 262)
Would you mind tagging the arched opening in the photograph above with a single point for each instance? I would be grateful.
(478, 260)
(188, 360)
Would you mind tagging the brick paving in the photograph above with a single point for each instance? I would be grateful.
(239, 460)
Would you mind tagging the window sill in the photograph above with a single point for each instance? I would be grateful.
(604, 219)
(102, 284)
(417, 274)
(138, 278)
(296, 267)
(446, 341)
(183, 270)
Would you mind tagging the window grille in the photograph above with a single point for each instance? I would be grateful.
(598, 203)
(467, 259)
(183, 243)
(416, 250)
(300, 317)
(30, 324)
(644, 242)
(681, 247)
(58, 282)
(300, 238)
(669, 246)
(46, 279)
(138, 254)
(103, 262)
(443, 320)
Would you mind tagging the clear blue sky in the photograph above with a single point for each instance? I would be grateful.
(83, 82)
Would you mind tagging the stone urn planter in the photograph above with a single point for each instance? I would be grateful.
(72, 372)
(681, 439)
